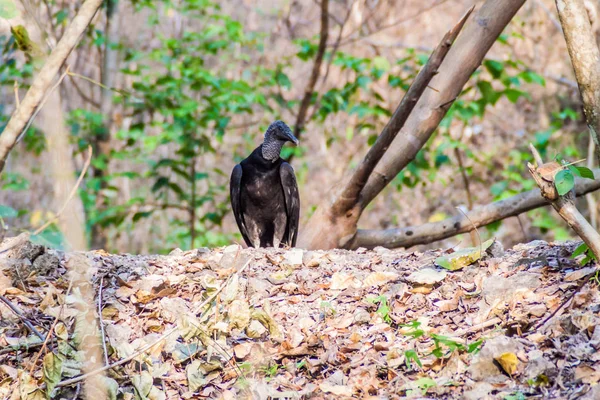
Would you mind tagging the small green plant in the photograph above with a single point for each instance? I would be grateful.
(327, 308)
(383, 310)
(443, 345)
(411, 356)
(584, 249)
(270, 371)
(564, 180)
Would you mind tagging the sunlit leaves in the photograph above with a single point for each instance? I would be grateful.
(564, 181)
(8, 9)
(7, 212)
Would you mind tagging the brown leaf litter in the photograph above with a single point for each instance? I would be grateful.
(334, 324)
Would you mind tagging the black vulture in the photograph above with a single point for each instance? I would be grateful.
(264, 193)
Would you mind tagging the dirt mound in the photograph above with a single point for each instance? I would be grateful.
(244, 323)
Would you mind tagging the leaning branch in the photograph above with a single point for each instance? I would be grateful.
(463, 59)
(478, 217)
(314, 76)
(544, 175)
(350, 194)
(44, 79)
(585, 57)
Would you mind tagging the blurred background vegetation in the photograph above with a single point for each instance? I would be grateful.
(171, 94)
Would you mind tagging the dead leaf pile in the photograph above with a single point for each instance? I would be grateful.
(307, 324)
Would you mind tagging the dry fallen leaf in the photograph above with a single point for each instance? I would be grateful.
(427, 276)
(338, 390)
(341, 281)
(508, 362)
(379, 278)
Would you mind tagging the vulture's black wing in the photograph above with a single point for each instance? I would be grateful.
(235, 191)
(292, 203)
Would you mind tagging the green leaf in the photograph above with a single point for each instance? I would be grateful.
(490, 95)
(8, 9)
(513, 94)
(564, 181)
(7, 212)
(582, 248)
(381, 63)
(411, 356)
(52, 368)
(142, 214)
(585, 172)
(494, 67)
(283, 80)
(425, 383)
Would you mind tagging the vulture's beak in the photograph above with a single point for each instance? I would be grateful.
(292, 139)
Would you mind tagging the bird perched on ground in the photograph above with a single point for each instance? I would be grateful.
(264, 192)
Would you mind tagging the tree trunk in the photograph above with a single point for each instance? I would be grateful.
(102, 142)
(585, 57)
(329, 228)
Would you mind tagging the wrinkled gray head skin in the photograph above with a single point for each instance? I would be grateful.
(275, 137)
(280, 131)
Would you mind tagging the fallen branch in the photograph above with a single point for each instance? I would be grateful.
(314, 76)
(480, 216)
(544, 175)
(19, 314)
(585, 57)
(103, 338)
(44, 79)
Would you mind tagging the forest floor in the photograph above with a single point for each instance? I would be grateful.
(382, 324)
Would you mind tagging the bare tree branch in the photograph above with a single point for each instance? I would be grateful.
(480, 216)
(314, 76)
(585, 57)
(463, 59)
(44, 79)
(349, 197)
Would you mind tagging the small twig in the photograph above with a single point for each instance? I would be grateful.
(102, 322)
(474, 227)
(77, 391)
(41, 105)
(10, 349)
(316, 70)
(71, 195)
(19, 314)
(564, 304)
(475, 328)
(17, 100)
(49, 334)
(167, 333)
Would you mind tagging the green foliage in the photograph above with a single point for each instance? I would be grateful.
(8, 9)
(383, 310)
(443, 345)
(584, 249)
(564, 182)
(183, 106)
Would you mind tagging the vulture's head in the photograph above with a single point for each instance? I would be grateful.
(279, 131)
